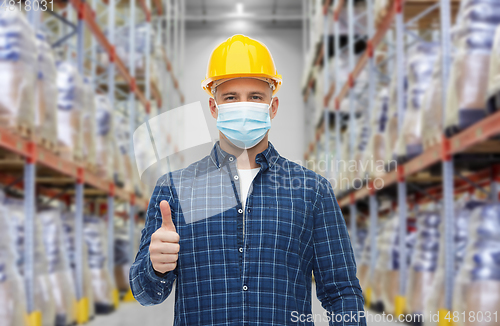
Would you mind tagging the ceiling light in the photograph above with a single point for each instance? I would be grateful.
(239, 8)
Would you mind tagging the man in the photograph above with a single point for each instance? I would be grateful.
(243, 229)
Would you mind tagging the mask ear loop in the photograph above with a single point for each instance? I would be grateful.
(216, 105)
(272, 98)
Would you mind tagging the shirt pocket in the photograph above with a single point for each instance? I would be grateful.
(286, 226)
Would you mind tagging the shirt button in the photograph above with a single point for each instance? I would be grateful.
(231, 158)
(241, 249)
(235, 177)
(240, 211)
(245, 287)
(163, 282)
(158, 293)
(248, 210)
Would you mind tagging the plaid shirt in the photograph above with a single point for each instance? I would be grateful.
(252, 267)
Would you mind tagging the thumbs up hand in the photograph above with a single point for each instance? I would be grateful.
(164, 246)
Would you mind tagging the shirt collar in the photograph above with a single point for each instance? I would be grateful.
(266, 159)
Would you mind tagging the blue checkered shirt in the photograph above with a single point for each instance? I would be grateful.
(251, 267)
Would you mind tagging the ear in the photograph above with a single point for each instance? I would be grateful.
(213, 108)
(274, 107)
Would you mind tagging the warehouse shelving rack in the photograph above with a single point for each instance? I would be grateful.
(474, 139)
(44, 172)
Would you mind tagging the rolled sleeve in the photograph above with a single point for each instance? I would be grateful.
(147, 287)
(334, 265)
(153, 277)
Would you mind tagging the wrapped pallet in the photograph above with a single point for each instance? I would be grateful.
(364, 266)
(60, 274)
(476, 25)
(130, 172)
(364, 276)
(493, 95)
(70, 101)
(432, 106)
(424, 259)
(105, 135)
(360, 90)
(463, 211)
(362, 240)
(389, 259)
(361, 142)
(12, 291)
(157, 75)
(163, 75)
(46, 93)
(121, 148)
(319, 96)
(318, 154)
(89, 124)
(122, 45)
(343, 68)
(431, 115)
(18, 64)
(477, 285)
(122, 48)
(420, 63)
(102, 283)
(122, 256)
(389, 263)
(345, 179)
(375, 151)
(375, 280)
(391, 130)
(68, 226)
(43, 297)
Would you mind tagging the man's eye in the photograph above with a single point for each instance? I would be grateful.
(229, 98)
(256, 97)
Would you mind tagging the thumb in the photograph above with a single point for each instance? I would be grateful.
(166, 216)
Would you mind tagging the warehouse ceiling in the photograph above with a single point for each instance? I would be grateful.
(265, 13)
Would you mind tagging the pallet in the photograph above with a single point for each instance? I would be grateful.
(64, 153)
(424, 177)
(432, 141)
(48, 144)
(10, 122)
(91, 167)
(78, 159)
(24, 131)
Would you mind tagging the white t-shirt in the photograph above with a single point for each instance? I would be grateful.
(246, 178)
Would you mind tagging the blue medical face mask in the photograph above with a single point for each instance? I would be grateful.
(245, 124)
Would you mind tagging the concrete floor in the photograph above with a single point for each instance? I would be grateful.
(133, 314)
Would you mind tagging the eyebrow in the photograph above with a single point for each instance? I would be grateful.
(251, 93)
(229, 93)
(257, 93)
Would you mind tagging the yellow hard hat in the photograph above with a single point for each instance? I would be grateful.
(241, 56)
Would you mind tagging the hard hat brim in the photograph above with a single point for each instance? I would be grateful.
(206, 83)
